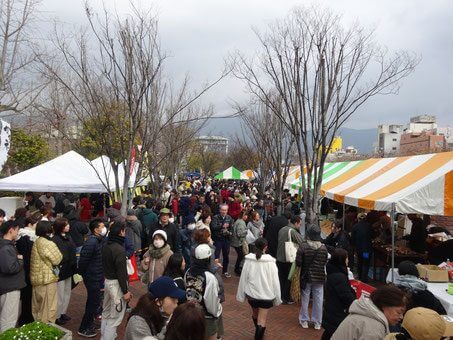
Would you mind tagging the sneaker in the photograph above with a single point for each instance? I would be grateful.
(65, 317)
(88, 333)
(288, 302)
(60, 321)
(227, 275)
(317, 326)
(304, 324)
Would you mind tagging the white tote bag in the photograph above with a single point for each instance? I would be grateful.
(130, 267)
(250, 238)
(290, 249)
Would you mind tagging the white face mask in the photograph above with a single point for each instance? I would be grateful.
(158, 243)
(171, 219)
(191, 226)
(103, 231)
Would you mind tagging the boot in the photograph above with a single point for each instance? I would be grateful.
(259, 332)
(255, 321)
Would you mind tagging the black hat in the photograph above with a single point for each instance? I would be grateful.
(313, 234)
(408, 268)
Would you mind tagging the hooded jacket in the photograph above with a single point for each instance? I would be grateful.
(44, 256)
(12, 275)
(259, 279)
(239, 232)
(78, 229)
(68, 265)
(364, 322)
(418, 293)
(311, 258)
(90, 261)
(134, 231)
(338, 296)
(24, 245)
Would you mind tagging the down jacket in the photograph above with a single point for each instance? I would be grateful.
(312, 260)
(44, 256)
(90, 261)
(364, 322)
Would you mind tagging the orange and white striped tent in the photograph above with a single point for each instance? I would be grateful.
(412, 184)
(249, 173)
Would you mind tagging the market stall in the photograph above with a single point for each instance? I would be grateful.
(231, 173)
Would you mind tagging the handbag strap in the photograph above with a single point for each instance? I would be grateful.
(289, 234)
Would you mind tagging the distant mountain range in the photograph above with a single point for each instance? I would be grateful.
(230, 127)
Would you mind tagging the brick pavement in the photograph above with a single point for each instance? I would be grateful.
(282, 321)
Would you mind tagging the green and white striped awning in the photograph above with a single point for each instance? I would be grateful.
(231, 173)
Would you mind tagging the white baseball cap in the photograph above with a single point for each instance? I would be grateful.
(202, 252)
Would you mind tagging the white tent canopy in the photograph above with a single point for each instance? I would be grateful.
(67, 173)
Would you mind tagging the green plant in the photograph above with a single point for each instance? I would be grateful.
(35, 330)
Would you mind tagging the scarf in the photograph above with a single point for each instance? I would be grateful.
(199, 267)
(411, 283)
(157, 253)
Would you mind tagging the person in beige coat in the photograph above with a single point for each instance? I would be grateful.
(45, 256)
(156, 258)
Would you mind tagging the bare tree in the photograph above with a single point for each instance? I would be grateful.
(323, 73)
(18, 85)
(272, 139)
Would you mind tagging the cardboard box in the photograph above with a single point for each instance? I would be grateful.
(432, 273)
(449, 323)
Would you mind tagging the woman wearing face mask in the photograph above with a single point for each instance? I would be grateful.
(156, 258)
(149, 318)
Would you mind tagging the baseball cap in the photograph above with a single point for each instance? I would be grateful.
(161, 233)
(165, 286)
(424, 324)
(202, 252)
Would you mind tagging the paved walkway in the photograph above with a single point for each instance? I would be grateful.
(282, 321)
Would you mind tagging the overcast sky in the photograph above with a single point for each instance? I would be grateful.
(199, 34)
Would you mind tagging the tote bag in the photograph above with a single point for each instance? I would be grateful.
(290, 249)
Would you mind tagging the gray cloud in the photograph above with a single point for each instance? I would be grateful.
(200, 33)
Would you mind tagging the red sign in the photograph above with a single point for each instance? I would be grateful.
(361, 288)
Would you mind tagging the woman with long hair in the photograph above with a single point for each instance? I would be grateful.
(239, 233)
(68, 267)
(187, 323)
(338, 292)
(175, 269)
(148, 319)
(259, 285)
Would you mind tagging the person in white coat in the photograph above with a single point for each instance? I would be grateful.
(259, 284)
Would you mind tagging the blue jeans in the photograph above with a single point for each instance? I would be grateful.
(224, 247)
(317, 294)
(92, 304)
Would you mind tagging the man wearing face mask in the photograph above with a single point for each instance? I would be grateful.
(12, 276)
(171, 229)
(90, 267)
(116, 293)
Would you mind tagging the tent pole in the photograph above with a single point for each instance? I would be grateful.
(344, 212)
(392, 217)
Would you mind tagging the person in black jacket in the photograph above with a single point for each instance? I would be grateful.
(338, 238)
(116, 293)
(362, 234)
(90, 267)
(271, 230)
(24, 245)
(172, 230)
(416, 289)
(418, 235)
(338, 293)
(68, 267)
(12, 277)
(78, 229)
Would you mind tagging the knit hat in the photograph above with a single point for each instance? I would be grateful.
(203, 252)
(313, 234)
(161, 233)
(424, 324)
(131, 212)
(408, 268)
(165, 286)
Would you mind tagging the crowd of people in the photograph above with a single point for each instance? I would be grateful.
(181, 241)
